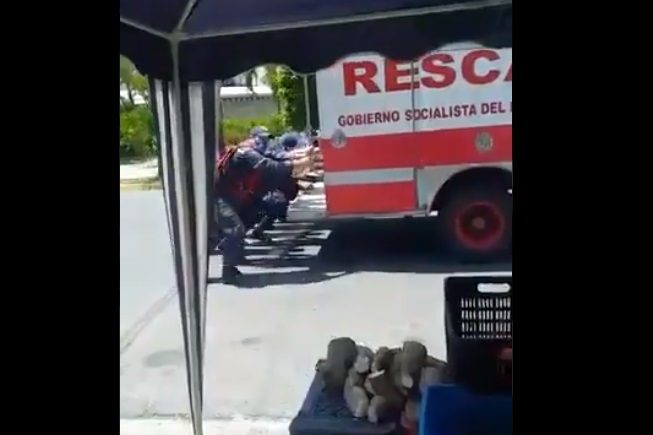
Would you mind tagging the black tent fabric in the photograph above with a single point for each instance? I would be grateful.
(185, 118)
(222, 38)
(187, 47)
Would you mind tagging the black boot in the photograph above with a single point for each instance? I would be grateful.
(259, 235)
(231, 275)
(259, 230)
(267, 224)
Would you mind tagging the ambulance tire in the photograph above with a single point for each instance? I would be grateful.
(477, 224)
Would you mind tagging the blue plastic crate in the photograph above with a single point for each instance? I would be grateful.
(323, 415)
(453, 410)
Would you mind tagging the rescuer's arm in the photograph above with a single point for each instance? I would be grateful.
(307, 161)
(277, 173)
(273, 172)
(283, 155)
(290, 155)
(275, 151)
(302, 166)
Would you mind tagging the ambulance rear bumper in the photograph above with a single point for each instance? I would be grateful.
(311, 206)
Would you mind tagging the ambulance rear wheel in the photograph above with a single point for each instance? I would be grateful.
(477, 223)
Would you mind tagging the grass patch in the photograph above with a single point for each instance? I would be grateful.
(147, 184)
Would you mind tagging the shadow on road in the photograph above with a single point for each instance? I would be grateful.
(323, 251)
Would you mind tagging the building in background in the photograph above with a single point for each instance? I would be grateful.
(243, 103)
(258, 76)
(237, 100)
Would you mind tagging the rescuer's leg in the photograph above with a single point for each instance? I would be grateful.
(283, 214)
(265, 221)
(216, 235)
(264, 224)
(278, 207)
(232, 244)
(249, 216)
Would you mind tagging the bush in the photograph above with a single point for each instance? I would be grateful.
(237, 130)
(137, 137)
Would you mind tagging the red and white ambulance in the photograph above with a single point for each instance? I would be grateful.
(423, 137)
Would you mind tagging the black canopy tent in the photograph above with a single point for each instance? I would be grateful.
(186, 47)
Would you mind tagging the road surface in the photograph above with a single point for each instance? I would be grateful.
(378, 282)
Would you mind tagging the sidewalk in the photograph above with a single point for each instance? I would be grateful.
(139, 171)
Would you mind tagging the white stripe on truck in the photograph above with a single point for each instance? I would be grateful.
(368, 176)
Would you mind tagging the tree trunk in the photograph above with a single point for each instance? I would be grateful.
(130, 95)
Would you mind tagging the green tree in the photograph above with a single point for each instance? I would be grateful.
(251, 77)
(133, 82)
(288, 89)
(136, 121)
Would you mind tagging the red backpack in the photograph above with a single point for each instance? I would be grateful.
(243, 186)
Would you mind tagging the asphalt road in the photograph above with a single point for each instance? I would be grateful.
(379, 282)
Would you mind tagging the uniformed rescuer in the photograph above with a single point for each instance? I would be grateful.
(243, 177)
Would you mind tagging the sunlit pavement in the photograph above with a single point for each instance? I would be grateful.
(263, 340)
(139, 171)
(238, 426)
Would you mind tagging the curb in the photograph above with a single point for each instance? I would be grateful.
(152, 183)
(239, 426)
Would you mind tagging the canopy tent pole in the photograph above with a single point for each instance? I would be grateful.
(187, 142)
(185, 116)
(218, 120)
(307, 106)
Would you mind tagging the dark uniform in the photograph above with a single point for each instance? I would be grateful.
(276, 203)
(244, 178)
(255, 217)
(292, 140)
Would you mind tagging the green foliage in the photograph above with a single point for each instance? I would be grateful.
(137, 138)
(288, 89)
(137, 132)
(136, 121)
(132, 82)
(237, 130)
